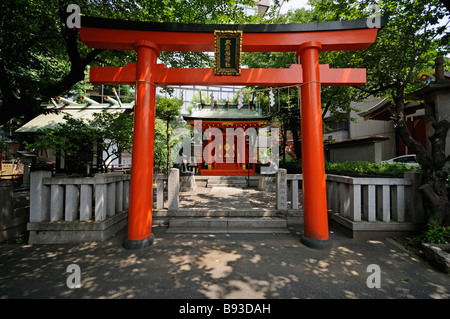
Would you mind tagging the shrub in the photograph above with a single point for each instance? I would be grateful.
(361, 167)
(435, 234)
(292, 166)
(354, 167)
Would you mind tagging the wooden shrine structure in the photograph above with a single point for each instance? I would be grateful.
(235, 154)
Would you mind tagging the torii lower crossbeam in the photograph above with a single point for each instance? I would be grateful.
(249, 77)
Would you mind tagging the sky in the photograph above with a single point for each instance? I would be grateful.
(293, 4)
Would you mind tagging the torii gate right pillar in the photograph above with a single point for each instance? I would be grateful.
(315, 212)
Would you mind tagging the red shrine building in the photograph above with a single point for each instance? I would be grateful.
(228, 138)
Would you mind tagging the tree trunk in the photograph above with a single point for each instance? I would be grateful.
(283, 142)
(435, 167)
(168, 146)
(297, 144)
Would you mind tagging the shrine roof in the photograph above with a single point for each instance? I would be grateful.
(55, 114)
(384, 110)
(222, 113)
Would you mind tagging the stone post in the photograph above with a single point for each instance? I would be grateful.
(173, 186)
(159, 194)
(281, 186)
(26, 158)
(39, 197)
(414, 206)
(6, 206)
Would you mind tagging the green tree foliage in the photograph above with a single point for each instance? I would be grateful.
(40, 57)
(160, 146)
(407, 46)
(77, 140)
(67, 140)
(335, 100)
(113, 133)
(168, 110)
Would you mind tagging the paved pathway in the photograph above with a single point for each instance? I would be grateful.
(219, 266)
(187, 266)
(227, 197)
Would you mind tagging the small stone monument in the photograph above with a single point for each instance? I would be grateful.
(26, 158)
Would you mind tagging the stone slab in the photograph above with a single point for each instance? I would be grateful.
(211, 230)
(371, 230)
(227, 225)
(61, 232)
(438, 255)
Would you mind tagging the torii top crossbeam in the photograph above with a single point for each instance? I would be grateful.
(307, 40)
(123, 35)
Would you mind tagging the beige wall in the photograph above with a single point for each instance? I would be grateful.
(369, 128)
(373, 128)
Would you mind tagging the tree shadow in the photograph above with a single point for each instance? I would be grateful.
(190, 266)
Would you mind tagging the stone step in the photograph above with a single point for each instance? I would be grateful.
(227, 182)
(218, 213)
(209, 185)
(227, 225)
(213, 230)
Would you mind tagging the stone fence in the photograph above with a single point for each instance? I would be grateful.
(172, 187)
(71, 209)
(360, 206)
(375, 207)
(68, 209)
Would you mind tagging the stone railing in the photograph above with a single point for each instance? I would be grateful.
(172, 188)
(287, 187)
(78, 198)
(364, 207)
(375, 205)
(159, 198)
(372, 199)
(68, 209)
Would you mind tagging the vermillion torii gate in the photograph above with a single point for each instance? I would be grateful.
(148, 39)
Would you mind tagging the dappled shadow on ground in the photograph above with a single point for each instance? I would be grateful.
(259, 198)
(218, 266)
(210, 198)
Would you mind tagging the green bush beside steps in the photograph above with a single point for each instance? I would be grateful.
(355, 168)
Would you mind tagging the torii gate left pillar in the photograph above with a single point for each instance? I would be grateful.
(147, 39)
(141, 185)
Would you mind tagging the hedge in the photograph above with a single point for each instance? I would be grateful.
(356, 168)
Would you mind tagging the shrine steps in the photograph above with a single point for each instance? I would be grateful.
(227, 225)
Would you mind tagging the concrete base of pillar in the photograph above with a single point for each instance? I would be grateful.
(138, 244)
(316, 244)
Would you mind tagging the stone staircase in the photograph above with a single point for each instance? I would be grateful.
(229, 211)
